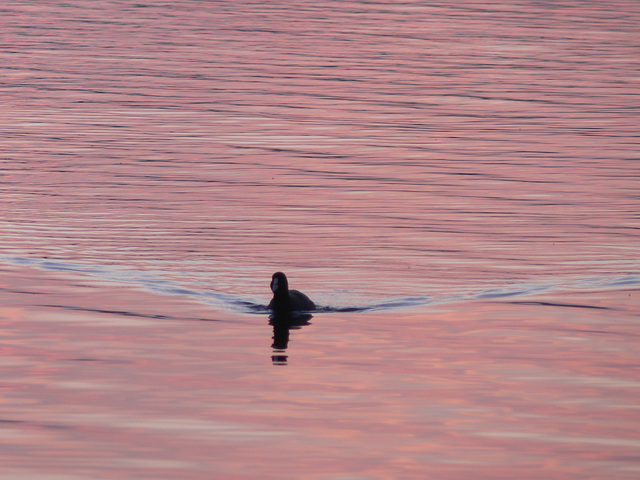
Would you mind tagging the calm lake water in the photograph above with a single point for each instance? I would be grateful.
(455, 184)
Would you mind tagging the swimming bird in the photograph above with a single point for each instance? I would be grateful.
(285, 300)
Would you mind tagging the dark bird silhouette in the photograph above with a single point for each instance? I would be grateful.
(286, 301)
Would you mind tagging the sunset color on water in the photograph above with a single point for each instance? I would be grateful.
(453, 186)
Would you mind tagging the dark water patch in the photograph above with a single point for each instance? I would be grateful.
(49, 426)
(588, 331)
(125, 313)
(625, 281)
(111, 312)
(56, 427)
(382, 306)
(511, 291)
(558, 304)
(25, 292)
(609, 282)
(59, 266)
(8, 421)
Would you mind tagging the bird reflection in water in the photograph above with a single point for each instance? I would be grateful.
(282, 323)
(288, 309)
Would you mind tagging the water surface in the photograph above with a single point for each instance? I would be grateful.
(455, 186)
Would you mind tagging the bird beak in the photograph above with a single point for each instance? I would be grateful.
(274, 285)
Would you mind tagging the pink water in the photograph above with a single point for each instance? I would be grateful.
(455, 184)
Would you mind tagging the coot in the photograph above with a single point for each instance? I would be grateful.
(285, 300)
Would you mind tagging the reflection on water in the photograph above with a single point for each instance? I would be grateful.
(282, 324)
(455, 184)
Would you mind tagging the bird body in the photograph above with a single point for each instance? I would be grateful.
(285, 300)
